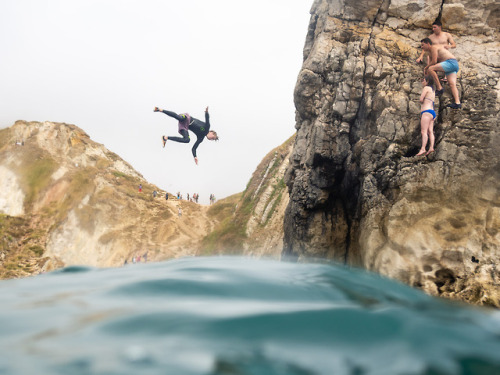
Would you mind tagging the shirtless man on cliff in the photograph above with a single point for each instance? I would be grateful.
(439, 37)
(442, 60)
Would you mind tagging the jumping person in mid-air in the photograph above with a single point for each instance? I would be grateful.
(186, 122)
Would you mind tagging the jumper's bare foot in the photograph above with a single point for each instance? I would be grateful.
(164, 140)
(421, 153)
(429, 152)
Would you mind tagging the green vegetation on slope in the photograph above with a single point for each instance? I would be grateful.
(229, 235)
(234, 213)
(275, 198)
(20, 252)
(36, 176)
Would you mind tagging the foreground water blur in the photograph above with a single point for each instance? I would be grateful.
(237, 316)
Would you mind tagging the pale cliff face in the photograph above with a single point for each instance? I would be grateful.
(357, 194)
(11, 195)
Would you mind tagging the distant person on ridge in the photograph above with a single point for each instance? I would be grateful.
(427, 116)
(442, 60)
(186, 122)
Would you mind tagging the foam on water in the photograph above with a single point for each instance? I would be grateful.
(237, 316)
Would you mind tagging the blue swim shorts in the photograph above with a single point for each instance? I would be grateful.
(450, 66)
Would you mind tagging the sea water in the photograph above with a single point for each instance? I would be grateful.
(237, 316)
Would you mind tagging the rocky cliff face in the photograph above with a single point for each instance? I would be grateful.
(67, 200)
(357, 193)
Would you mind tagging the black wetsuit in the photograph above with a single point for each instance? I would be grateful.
(198, 127)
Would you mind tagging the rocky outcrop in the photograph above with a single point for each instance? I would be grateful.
(357, 193)
(251, 222)
(67, 200)
(264, 228)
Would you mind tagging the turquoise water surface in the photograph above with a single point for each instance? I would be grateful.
(237, 316)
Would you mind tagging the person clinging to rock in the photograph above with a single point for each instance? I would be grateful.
(427, 116)
(442, 60)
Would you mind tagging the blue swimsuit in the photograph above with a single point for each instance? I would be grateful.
(431, 111)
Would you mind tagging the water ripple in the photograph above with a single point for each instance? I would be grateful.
(237, 316)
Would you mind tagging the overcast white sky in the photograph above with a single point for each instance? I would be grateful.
(103, 65)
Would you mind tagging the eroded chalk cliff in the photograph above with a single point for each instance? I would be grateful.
(357, 192)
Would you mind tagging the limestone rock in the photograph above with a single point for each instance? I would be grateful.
(357, 193)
